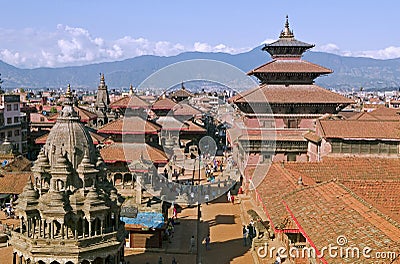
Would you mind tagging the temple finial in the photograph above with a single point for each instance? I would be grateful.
(183, 87)
(68, 93)
(286, 32)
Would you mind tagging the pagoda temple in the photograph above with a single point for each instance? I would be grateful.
(285, 106)
(69, 212)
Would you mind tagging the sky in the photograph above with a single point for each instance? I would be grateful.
(57, 33)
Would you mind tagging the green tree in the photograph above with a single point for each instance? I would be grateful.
(53, 110)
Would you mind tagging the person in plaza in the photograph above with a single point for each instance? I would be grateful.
(160, 260)
(229, 196)
(233, 199)
(174, 213)
(245, 234)
(192, 244)
(251, 232)
(166, 173)
(207, 241)
(174, 261)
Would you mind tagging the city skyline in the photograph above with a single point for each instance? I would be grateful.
(69, 33)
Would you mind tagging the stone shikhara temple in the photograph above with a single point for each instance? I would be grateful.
(69, 213)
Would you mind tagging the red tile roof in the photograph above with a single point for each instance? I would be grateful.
(183, 109)
(359, 129)
(298, 93)
(290, 66)
(271, 189)
(132, 102)
(163, 104)
(127, 152)
(14, 182)
(85, 115)
(382, 194)
(326, 211)
(130, 125)
(181, 93)
(348, 168)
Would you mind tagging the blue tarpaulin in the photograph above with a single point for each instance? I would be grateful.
(147, 219)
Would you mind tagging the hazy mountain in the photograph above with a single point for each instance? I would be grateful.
(349, 72)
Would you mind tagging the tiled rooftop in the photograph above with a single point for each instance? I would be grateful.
(130, 125)
(306, 93)
(127, 152)
(287, 66)
(360, 129)
(132, 102)
(326, 211)
(13, 182)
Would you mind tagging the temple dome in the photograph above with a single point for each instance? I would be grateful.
(69, 136)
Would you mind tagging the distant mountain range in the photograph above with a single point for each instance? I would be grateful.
(349, 72)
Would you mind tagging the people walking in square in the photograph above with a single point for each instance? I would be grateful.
(192, 244)
(245, 234)
(233, 199)
(207, 241)
(229, 196)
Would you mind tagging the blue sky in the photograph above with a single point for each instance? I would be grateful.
(70, 32)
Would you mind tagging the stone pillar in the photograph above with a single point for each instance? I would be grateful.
(90, 228)
(76, 230)
(21, 222)
(62, 230)
(51, 229)
(44, 228)
(101, 226)
(83, 227)
(138, 189)
(28, 227)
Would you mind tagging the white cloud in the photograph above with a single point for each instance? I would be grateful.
(69, 46)
(387, 53)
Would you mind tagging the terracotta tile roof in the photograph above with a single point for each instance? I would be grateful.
(271, 189)
(163, 104)
(362, 116)
(384, 112)
(132, 102)
(171, 123)
(288, 66)
(348, 168)
(311, 136)
(19, 163)
(183, 109)
(381, 194)
(127, 152)
(359, 129)
(181, 93)
(130, 125)
(85, 115)
(194, 128)
(96, 138)
(278, 135)
(14, 182)
(298, 93)
(326, 211)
